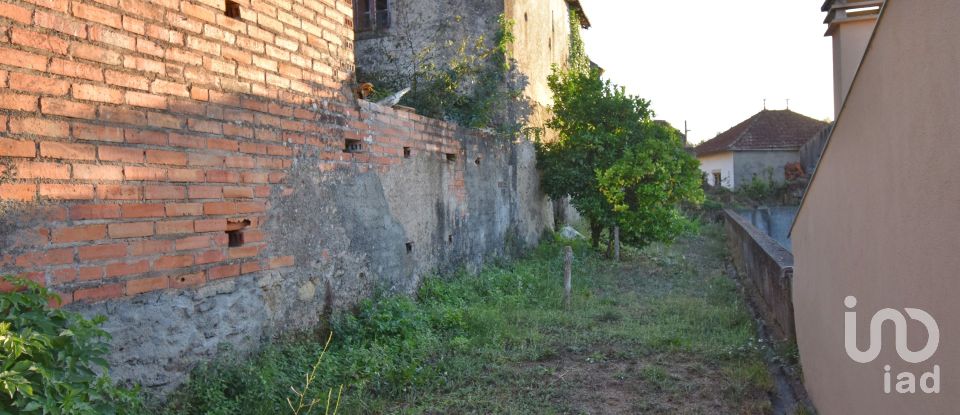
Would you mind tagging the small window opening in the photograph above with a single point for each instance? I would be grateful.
(450, 238)
(352, 146)
(235, 238)
(233, 9)
(235, 232)
(409, 247)
(477, 161)
(525, 17)
(371, 15)
(451, 157)
(406, 152)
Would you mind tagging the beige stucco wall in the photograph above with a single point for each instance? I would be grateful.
(719, 161)
(849, 42)
(542, 31)
(881, 220)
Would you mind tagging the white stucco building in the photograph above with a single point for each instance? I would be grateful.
(758, 147)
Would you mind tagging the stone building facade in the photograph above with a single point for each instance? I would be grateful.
(410, 33)
(200, 172)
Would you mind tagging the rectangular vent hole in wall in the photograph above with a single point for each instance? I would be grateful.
(406, 152)
(450, 238)
(409, 247)
(235, 232)
(451, 157)
(233, 9)
(234, 238)
(352, 146)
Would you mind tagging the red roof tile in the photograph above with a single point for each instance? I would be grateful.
(767, 130)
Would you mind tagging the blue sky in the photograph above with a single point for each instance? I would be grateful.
(713, 62)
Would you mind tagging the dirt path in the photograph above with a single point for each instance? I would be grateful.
(665, 331)
(656, 291)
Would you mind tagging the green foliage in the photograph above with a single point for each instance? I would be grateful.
(619, 167)
(763, 189)
(53, 360)
(578, 61)
(648, 184)
(306, 403)
(471, 88)
(457, 347)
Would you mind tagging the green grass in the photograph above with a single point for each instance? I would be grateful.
(665, 329)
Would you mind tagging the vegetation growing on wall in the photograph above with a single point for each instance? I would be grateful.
(474, 86)
(53, 360)
(578, 61)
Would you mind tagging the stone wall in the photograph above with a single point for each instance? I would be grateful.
(767, 269)
(135, 135)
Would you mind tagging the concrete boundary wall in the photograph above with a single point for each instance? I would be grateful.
(767, 269)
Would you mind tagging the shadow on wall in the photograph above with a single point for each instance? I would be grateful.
(774, 221)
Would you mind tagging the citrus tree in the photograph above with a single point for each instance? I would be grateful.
(618, 166)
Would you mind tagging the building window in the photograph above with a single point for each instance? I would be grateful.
(717, 178)
(371, 15)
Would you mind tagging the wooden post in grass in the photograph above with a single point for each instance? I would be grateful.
(616, 243)
(567, 270)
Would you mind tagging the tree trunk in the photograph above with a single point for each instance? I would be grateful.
(616, 243)
(567, 271)
(610, 243)
(595, 231)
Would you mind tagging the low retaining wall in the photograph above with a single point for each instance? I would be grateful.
(767, 268)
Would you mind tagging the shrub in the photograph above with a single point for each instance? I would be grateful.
(53, 360)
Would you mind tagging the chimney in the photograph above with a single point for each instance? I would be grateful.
(850, 23)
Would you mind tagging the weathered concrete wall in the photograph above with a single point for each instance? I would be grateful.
(767, 269)
(774, 221)
(348, 231)
(764, 165)
(879, 221)
(133, 135)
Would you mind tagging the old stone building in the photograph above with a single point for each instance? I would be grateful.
(396, 37)
(200, 172)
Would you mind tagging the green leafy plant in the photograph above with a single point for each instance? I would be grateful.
(305, 403)
(488, 342)
(53, 360)
(619, 167)
(648, 184)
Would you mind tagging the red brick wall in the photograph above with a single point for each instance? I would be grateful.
(131, 132)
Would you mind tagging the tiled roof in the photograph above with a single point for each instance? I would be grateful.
(767, 130)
